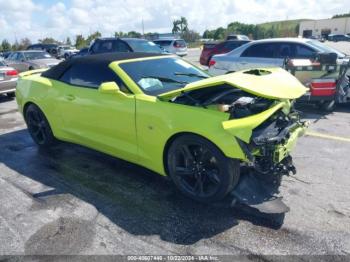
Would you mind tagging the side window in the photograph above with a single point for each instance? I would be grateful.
(20, 57)
(303, 51)
(103, 46)
(284, 50)
(120, 46)
(91, 76)
(259, 50)
(14, 56)
(11, 56)
(231, 45)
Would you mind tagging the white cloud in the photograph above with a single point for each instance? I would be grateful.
(26, 18)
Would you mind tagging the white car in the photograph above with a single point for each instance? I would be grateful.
(65, 51)
(174, 46)
(268, 53)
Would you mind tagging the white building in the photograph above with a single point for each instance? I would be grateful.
(324, 27)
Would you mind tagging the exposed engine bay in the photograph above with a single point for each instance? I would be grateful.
(225, 98)
(265, 150)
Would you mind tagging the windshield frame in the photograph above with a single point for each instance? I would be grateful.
(122, 72)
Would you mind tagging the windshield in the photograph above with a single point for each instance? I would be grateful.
(163, 43)
(158, 76)
(36, 55)
(144, 46)
(324, 48)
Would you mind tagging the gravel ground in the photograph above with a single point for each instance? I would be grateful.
(72, 200)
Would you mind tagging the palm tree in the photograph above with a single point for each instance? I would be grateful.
(180, 25)
(176, 27)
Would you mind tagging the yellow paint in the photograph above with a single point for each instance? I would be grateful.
(338, 138)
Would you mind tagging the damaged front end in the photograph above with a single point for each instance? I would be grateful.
(271, 143)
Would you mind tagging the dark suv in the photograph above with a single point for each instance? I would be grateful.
(52, 49)
(110, 45)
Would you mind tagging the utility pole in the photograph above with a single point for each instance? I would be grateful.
(143, 28)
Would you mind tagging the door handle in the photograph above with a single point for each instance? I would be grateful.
(69, 97)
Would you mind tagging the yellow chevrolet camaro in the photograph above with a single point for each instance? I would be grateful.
(167, 115)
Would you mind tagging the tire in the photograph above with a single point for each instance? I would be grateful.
(38, 127)
(327, 106)
(11, 95)
(200, 170)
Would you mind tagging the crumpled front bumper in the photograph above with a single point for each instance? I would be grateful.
(282, 150)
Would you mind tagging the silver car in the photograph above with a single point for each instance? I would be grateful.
(66, 51)
(8, 79)
(174, 46)
(268, 53)
(30, 60)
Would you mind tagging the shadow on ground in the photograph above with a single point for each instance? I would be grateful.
(135, 199)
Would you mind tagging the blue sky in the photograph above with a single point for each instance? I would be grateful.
(36, 19)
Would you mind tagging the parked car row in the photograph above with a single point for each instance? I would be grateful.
(40, 55)
(268, 53)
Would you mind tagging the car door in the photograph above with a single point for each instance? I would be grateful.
(14, 60)
(21, 62)
(102, 121)
(259, 55)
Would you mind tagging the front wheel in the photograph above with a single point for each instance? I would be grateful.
(38, 126)
(200, 170)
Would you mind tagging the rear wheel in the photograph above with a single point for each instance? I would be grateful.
(327, 106)
(200, 170)
(38, 126)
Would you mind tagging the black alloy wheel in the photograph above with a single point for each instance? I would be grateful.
(200, 170)
(38, 126)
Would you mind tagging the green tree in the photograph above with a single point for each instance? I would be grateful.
(5, 45)
(134, 34)
(341, 15)
(80, 42)
(120, 34)
(93, 36)
(219, 33)
(15, 46)
(208, 34)
(180, 26)
(68, 41)
(48, 40)
(190, 36)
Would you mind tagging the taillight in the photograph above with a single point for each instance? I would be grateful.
(212, 62)
(11, 73)
(323, 87)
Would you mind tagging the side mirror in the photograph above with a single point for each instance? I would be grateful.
(110, 88)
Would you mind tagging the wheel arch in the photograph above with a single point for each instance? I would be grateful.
(172, 138)
(27, 104)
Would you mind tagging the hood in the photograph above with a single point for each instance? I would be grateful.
(45, 62)
(272, 83)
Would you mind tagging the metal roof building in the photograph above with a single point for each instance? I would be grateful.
(324, 27)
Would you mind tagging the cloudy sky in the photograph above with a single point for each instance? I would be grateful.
(36, 19)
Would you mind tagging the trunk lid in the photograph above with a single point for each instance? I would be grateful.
(271, 83)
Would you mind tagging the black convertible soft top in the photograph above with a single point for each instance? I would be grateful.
(102, 60)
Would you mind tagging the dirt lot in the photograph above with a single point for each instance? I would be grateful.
(72, 200)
